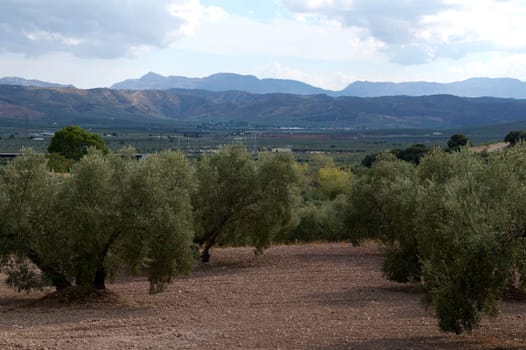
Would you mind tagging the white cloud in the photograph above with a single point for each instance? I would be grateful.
(100, 29)
(192, 13)
(333, 80)
(416, 32)
(498, 24)
(236, 35)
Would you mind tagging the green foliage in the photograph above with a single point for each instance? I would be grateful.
(243, 201)
(411, 154)
(72, 142)
(109, 211)
(21, 274)
(322, 180)
(319, 221)
(465, 245)
(514, 137)
(58, 163)
(381, 205)
(333, 182)
(29, 222)
(457, 141)
(369, 159)
(456, 223)
(323, 192)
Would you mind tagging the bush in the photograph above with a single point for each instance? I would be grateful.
(318, 221)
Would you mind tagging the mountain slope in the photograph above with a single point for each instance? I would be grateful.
(126, 107)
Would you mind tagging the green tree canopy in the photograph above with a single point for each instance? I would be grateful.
(457, 141)
(412, 154)
(72, 142)
(514, 137)
(108, 212)
(456, 223)
(243, 201)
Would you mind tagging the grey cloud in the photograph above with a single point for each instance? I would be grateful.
(103, 29)
(371, 13)
(392, 22)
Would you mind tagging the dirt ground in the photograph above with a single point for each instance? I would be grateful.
(316, 296)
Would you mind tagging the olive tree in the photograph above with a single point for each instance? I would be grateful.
(457, 141)
(514, 137)
(470, 236)
(110, 210)
(30, 222)
(455, 223)
(243, 201)
(381, 206)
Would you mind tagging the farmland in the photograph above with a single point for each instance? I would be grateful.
(315, 296)
(344, 145)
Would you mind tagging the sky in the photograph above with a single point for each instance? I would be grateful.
(326, 43)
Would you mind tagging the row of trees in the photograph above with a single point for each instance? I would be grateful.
(113, 210)
(415, 152)
(456, 223)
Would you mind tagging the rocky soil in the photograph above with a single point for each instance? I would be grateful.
(316, 296)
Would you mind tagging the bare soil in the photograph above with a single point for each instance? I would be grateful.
(316, 296)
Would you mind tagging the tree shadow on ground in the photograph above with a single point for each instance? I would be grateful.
(446, 342)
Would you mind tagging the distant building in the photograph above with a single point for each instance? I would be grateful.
(281, 150)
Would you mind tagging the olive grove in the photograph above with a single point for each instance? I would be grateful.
(110, 210)
(455, 223)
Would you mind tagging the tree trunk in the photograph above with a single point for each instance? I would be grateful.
(100, 279)
(210, 240)
(205, 256)
(58, 279)
(60, 282)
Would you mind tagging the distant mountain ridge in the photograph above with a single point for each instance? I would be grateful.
(125, 108)
(474, 87)
(219, 82)
(31, 82)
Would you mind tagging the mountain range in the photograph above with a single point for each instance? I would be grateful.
(32, 82)
(219, 82)
(474, 87)
(130, 108)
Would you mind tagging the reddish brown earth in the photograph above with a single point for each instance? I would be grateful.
(318, 296)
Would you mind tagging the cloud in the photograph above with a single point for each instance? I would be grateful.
(334, 80)
(241, 36)
(100, 29)
(416, 32)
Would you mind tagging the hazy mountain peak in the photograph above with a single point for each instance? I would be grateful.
(30, 82)
(473, 87)
(219, 82)
(152, 75)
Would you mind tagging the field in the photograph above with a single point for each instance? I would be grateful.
(315, 296)
(345, 146)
